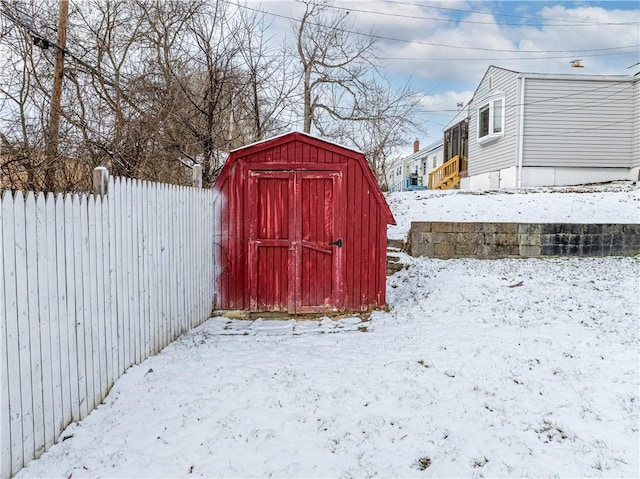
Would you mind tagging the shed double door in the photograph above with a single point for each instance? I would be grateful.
(294, 248)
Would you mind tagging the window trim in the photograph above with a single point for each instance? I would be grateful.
(491, 135)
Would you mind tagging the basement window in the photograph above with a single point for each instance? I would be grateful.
(491, 120)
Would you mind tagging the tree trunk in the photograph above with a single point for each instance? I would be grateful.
(56, 98)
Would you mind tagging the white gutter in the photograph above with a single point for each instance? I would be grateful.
(520, 152)
(577, 76)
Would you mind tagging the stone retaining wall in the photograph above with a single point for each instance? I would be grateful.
(502, 240)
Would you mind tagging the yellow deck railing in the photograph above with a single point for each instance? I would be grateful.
(446, 175)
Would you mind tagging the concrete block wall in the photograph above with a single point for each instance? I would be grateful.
(503, 240)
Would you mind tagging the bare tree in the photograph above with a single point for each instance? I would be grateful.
(226, 87)
(25, 88)
(152, 88)
(390, 124)
(110, 31)
(263, 106)
(345, 96)
(336, 64)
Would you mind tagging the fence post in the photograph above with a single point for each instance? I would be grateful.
(197, 176)
(100, 180)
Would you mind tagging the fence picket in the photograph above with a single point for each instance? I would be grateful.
(173, 271)
(136, 239)
(97, 295)
(90, 353)
(119, 272)
(24, 355)
(5, 430)
(62, 311)
(93, 319)
(189, 251)
(44, 319)
(34, 324)
(110, 291)
(102, 273)
(162, 253)
(126, 278)
(11, 331)
(70, 284)
(144, 259)
(179, 252)
(102, 276)
(54, 318)
(154, 269)
(78, 237)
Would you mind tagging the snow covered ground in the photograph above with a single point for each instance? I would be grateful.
(577, 204)
(501, 368)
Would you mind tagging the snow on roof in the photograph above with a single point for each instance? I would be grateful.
(355, 150)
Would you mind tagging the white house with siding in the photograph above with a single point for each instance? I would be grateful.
(532, 129)
(412, 172)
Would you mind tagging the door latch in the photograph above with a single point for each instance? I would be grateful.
(337, 243)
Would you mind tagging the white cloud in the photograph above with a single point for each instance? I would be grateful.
(424, 56)
(438, 110)
(445, 102)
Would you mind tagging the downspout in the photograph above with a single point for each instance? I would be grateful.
(521, 84)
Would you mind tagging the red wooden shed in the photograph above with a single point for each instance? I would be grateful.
(303, 228)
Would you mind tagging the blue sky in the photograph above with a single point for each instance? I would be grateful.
(442, 48)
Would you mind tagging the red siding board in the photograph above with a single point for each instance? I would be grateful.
(239, 221)
(381, 267)
(308, 154)
(349, 202)
(224, 248)
(357, 239)
(364, 247)
(373, 252)
(235, 254)
(314, 200)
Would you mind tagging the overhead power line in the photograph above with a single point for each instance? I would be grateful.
(621, 86)
(504, 59)
(25, 21)
(505, 15)
(433, 44)
(480, 22)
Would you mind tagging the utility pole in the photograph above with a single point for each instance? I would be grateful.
(56, 98)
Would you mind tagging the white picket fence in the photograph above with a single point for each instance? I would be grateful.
(89, 286)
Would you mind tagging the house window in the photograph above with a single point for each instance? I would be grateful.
(491, 120)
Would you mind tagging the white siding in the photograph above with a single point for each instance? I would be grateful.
(500, 153)
(399, 171)
(578, 123)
